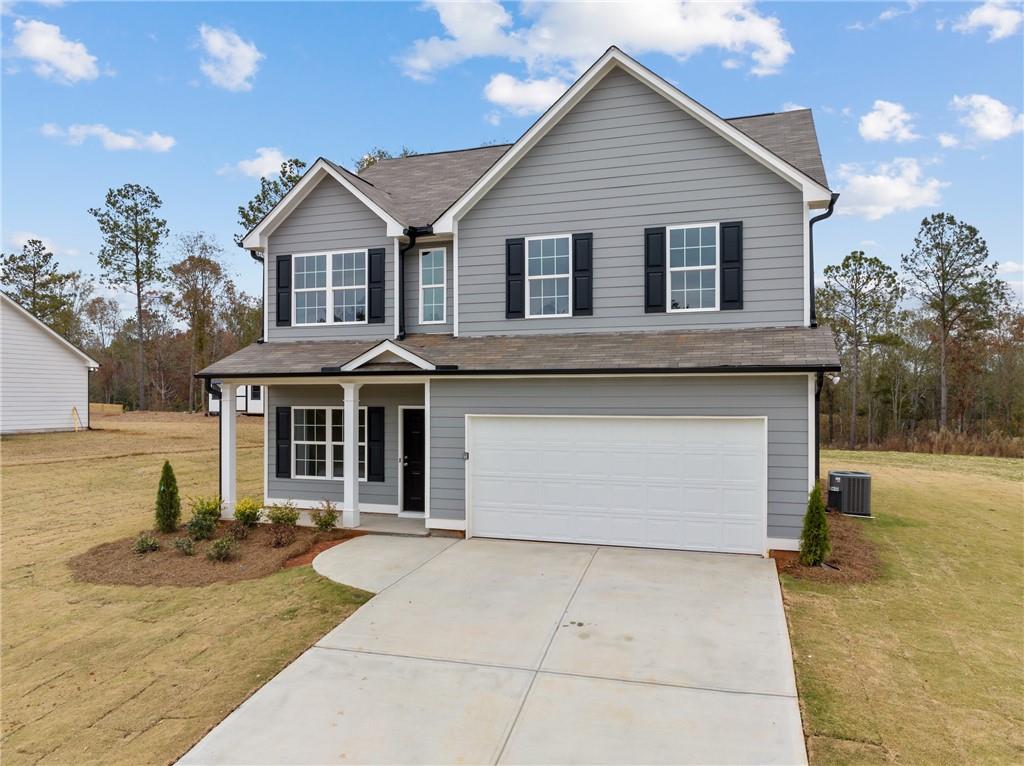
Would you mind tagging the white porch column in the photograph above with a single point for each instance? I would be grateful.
(228, 427)
(350, 508)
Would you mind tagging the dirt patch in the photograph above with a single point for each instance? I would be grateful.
(116, 563)
(317, 548)
(854, 558)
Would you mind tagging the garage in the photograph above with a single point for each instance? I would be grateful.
(690, 483)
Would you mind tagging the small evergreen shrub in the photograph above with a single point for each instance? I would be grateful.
(221, 549)
(283, 518)
(205, 514)
(146, 543)
(238, 531)
(248, 511)
(814, 542)
(185, 546)
(326, 516)
(168, 504)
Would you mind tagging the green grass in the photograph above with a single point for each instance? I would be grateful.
(926, 664)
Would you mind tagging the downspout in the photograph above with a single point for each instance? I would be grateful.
(263, 298)
(411, 232)
(213, 389)
(817, 425)
(810, 229)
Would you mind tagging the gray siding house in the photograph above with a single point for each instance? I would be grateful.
(602, 333)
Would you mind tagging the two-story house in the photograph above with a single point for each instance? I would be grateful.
(602, 333)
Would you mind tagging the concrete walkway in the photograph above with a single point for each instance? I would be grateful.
(494, 651)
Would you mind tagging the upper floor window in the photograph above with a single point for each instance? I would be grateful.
(433, 276)
(693, 267)
(347, 288)
(548, 276)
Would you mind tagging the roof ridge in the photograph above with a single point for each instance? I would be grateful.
(768, 114)
(443, 151)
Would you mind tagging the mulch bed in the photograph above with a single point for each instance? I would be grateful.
(116, 563)
(854, 558)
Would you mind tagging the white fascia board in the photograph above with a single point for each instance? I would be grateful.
(384, 347)
(89, 361)
(257, 238)
(815, 195)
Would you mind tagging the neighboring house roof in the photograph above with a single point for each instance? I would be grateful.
(748, 350)
(89, 361)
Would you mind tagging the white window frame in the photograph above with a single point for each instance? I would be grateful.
(295, 442)
(443, 285)
(526, 267)
(329, 469)
(330, 288)
(669, 268)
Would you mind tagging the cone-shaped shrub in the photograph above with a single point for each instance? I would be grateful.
(814, 543)
(168, 504)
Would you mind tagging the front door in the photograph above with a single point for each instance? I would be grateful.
(413, 463)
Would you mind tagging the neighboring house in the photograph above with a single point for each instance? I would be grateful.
(44, 379)
(602, 333)
(248, 401)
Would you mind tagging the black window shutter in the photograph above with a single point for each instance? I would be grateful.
(375, 444)
(731, 254)
(654, 270)
(284, 291)
(515, 278)
(582, 275)
(283, 443)
(375, 286)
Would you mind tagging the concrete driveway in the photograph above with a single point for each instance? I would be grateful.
(492, 651)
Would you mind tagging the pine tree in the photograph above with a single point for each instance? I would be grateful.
(814, 542)
(168, 504)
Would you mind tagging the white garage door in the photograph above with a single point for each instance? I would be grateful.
(690, 483)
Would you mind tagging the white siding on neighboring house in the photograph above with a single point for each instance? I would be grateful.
(42, 377)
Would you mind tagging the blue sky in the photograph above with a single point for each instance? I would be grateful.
(917, 105)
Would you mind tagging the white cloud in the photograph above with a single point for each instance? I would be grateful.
(493, 117)
(135, 140)
(731, 63)
(887, 15)
(54, 56)
(523, 97)
(948, 140)
(20, 238)
(789, 106)
(889, 188)
(266, 163)
(1000, 18)
(887, 121)
(1011, 267)
(988, 118)
(562, 39)
(230, 61)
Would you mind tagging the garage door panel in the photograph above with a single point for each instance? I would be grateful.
(668, 483)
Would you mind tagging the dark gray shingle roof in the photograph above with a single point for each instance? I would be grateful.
(790, 135)
(796, 348)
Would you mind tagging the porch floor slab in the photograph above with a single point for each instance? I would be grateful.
(389, 524)
(375, 562)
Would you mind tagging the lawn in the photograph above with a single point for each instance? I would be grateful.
(120, 674)
(926, 664)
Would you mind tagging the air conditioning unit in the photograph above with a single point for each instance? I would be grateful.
(849, 492)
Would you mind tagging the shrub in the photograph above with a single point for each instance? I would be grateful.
(221, 549)
(205, 513)
(238, 531)
(814, 542)
(168, 504)
(146, 543)
(248, 511)
(185, 545)
(282, 517)
(326, 516)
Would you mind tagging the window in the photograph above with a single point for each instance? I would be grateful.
(314, 457)
(347, 288)
(693, 267)
(433, 272)
(547, 276)
(257, 392)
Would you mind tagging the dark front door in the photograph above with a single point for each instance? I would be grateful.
(413, 445)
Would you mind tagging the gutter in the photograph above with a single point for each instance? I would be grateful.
(810, 229)
(411, 232)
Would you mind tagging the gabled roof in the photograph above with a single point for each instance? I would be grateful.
(791, 135)
(89, 361)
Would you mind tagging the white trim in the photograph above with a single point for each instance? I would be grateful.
(810, 431)
(89, 361)
(265, 247)
(455, 524)
(426, 449)
(807, 267)
(455, 279)
(330, 287)
(443, 285)
(401, 466)
(782, 544)
(308, 505)
(540, 277)
(468, 431)
(395, 287)
(267, 409)
(387, 346)
(329, 466)
(257, 238)
(717, 226)
(816, 194)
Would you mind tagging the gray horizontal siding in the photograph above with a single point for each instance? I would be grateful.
(330, 218)
(625, 159)
(783, 399)
(389, 397)
(412, 290)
